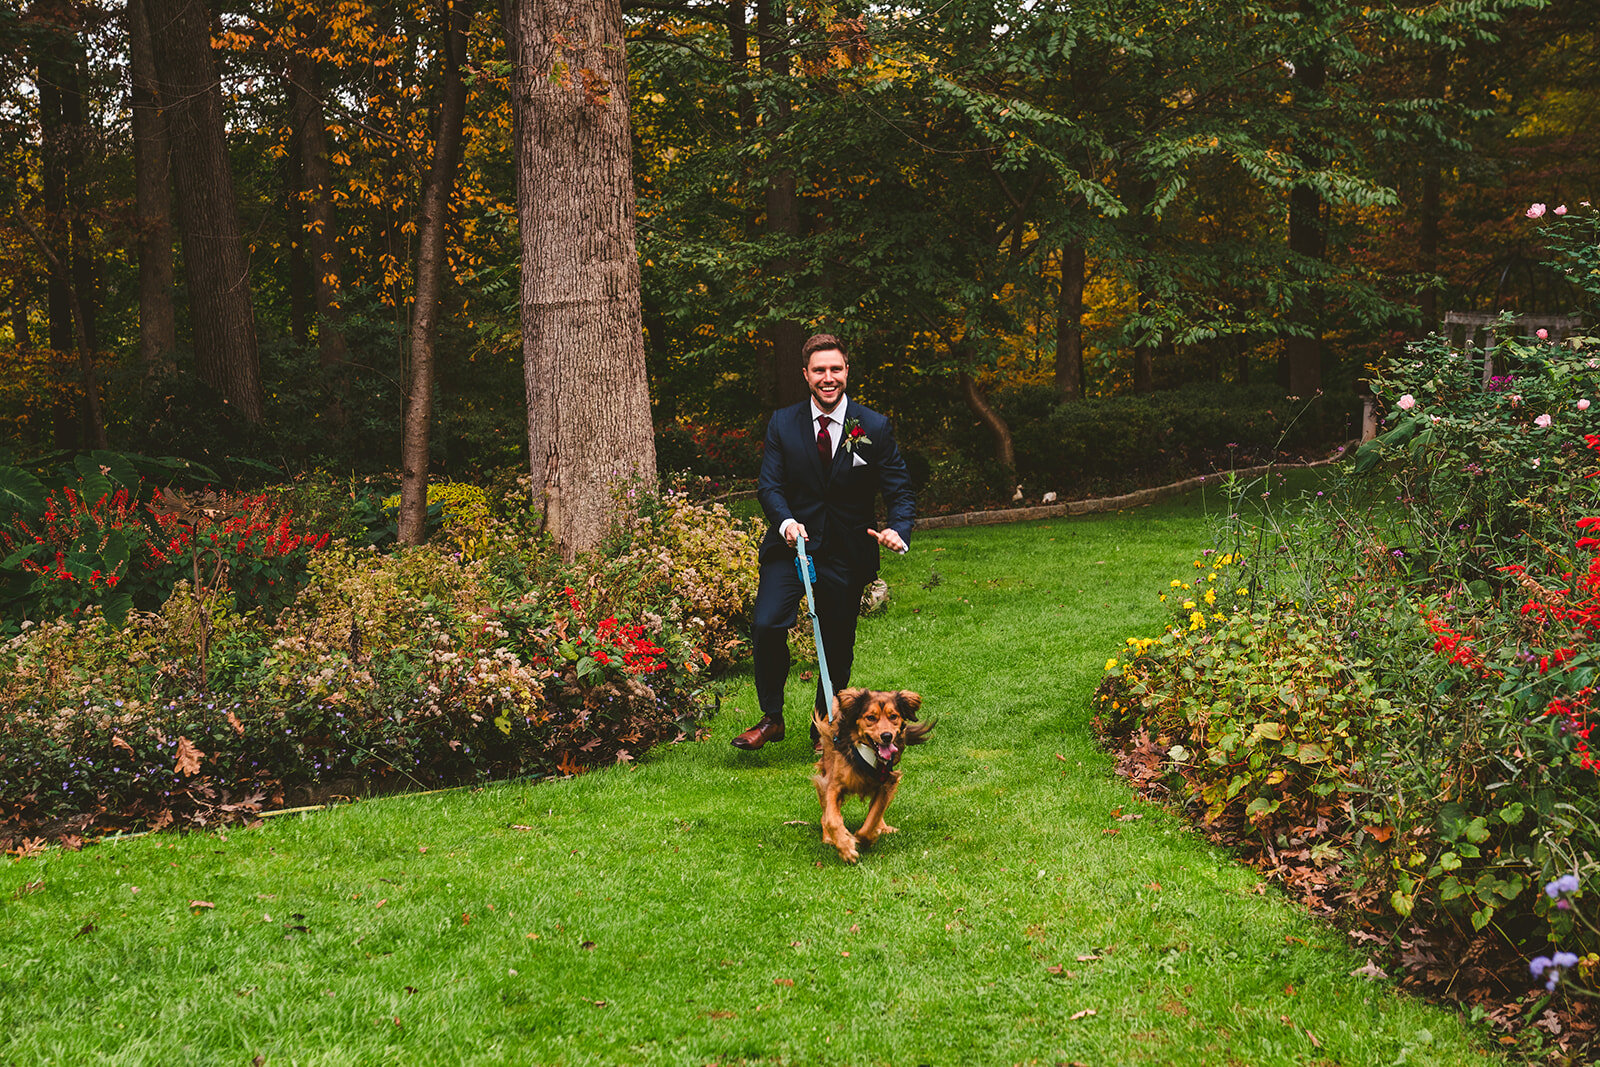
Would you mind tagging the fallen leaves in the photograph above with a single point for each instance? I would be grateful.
(1370, 971)
(29, 887)
(189, 758)
(198, 905)
(783, 981)
(1084, 1014)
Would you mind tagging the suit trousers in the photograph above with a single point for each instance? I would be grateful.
(838, 605)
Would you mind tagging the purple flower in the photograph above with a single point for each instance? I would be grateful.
(1567, 883)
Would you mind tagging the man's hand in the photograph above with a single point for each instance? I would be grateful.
(793, 530)
(889, 539)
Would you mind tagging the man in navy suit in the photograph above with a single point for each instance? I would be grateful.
(824, 463)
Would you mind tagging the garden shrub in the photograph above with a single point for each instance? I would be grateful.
(422, 666)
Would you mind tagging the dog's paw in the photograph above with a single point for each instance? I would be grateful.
(849, 855)
(885, 828)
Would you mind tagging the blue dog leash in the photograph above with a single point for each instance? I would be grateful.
(808, 573)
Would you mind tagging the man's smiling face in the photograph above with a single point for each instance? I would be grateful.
(826, 374)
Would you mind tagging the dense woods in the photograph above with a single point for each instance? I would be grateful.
(335, 235)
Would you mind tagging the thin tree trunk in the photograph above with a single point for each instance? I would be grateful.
(94, 422)
(1307, 239)
(993, 421)
(1069, 324)
(20, 332)
(1428, 208)
(54, 72)
(316, 176)
(583, 349)
(785, 337)
(430, 270)
(152, 175)
(216, 268)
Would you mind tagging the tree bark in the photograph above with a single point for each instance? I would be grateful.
(999, 430)
(1307, 239)
(582, 343)
(1428, 208)
(65, 242)
(785, 337)
(430, 269)
(1069, 324)
(152, 197)
(216, 267)
(316, 184)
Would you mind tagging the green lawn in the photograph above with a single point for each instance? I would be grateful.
(685, 911)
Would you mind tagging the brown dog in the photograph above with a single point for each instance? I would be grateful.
(861, 748)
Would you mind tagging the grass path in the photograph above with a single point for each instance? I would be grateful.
(686, 912)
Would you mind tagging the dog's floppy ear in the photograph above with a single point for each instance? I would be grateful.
(849, 702)
(908, 703)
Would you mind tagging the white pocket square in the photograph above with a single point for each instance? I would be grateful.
(856, 460)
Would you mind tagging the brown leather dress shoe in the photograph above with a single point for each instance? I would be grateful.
(768, 729)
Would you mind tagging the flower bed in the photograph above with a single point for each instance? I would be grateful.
(1389, 705)
(415, 668)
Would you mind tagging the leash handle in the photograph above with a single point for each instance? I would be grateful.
(808, 572)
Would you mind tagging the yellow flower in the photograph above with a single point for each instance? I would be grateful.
(1111, 663)
(1163, 598)
(1188, 604)
(1220, 617)
(1211, 596)
(1197, 621)
(1175, 583)
(1241, 592)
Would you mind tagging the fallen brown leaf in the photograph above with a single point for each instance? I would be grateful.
(201, 904)
(783, 981)
(189, 758)
(1083, 1014)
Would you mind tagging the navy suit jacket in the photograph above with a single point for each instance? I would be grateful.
(836, 504)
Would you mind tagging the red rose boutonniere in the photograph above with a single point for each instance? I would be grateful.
(853, 435)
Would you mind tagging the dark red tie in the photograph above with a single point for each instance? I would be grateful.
(824, 444)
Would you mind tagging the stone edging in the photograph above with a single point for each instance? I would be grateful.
(1138, 498)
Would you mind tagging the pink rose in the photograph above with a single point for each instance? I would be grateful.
(1543, 335)
(1542, 421)
(1406, 402)
(1561, 209)
(1583, 405)
(1535, 212)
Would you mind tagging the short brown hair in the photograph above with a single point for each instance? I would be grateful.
(822, 342)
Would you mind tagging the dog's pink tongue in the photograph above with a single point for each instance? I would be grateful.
(888, 753)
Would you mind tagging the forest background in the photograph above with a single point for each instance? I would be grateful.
(1034, 222)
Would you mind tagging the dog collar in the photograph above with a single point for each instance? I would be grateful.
(868, 756)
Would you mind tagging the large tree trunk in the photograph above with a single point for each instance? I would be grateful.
(1069, 324)
(215, 265)
(430, 270)
(316, 184)
(785, 337)
(152, 197)
(582, 345)
(1428, 207)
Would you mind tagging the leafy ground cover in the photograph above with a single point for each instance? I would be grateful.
(684, 910)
